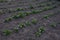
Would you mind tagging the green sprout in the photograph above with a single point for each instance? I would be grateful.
(45, 16)
(31, 7)
(34, 21)
(53, 25)
(19, 9)
(22, 15)
(15, 16)
(7, 19)
(27, 13)
(6, 32)
(40, 31)
(16, 29)
(27, 23)
(21, 25)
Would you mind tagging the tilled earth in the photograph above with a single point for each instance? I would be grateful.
(8, 9)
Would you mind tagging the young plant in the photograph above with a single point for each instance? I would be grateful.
(19, 9)
(27, 23)
(22, 15)
(40, 31)
(51, 14)
(6, 32)
(34, 21)
(46, 8)
(37, 34)
(15, 16)
(53, 25)
(31, 7)
(45, 16)
(27, 13)
(21, 25)
(16, 29)
(7, 19)
(35, 11)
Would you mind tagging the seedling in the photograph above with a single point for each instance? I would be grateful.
(34, 21)
(27, 13)
(51, 14)
(27, 23)
(15, 16)
(6, 32)
(31, 7)
(41, 5)
(22, 15)
(37, 34)
(46, 8)
(19, 9)
(21, 25)
(53, 25)
(16, 29)
(8, 19)
(40, 31)
(35, 11)
(45, 16)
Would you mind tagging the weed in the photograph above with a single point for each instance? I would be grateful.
(46, 8)
(37, 34)
(41, 30)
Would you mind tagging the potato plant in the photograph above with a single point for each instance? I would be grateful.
(35, 11)
(31, 7)
(15, 16)
(53, 24)
(45, 16)
(28, 23)
(21, 15)
(16, 29)
(8, 19)
(34, 21)
(19, 9)
(40, 31)
(21, 25)
(6, 32)
(48, 15)
(27, 13)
